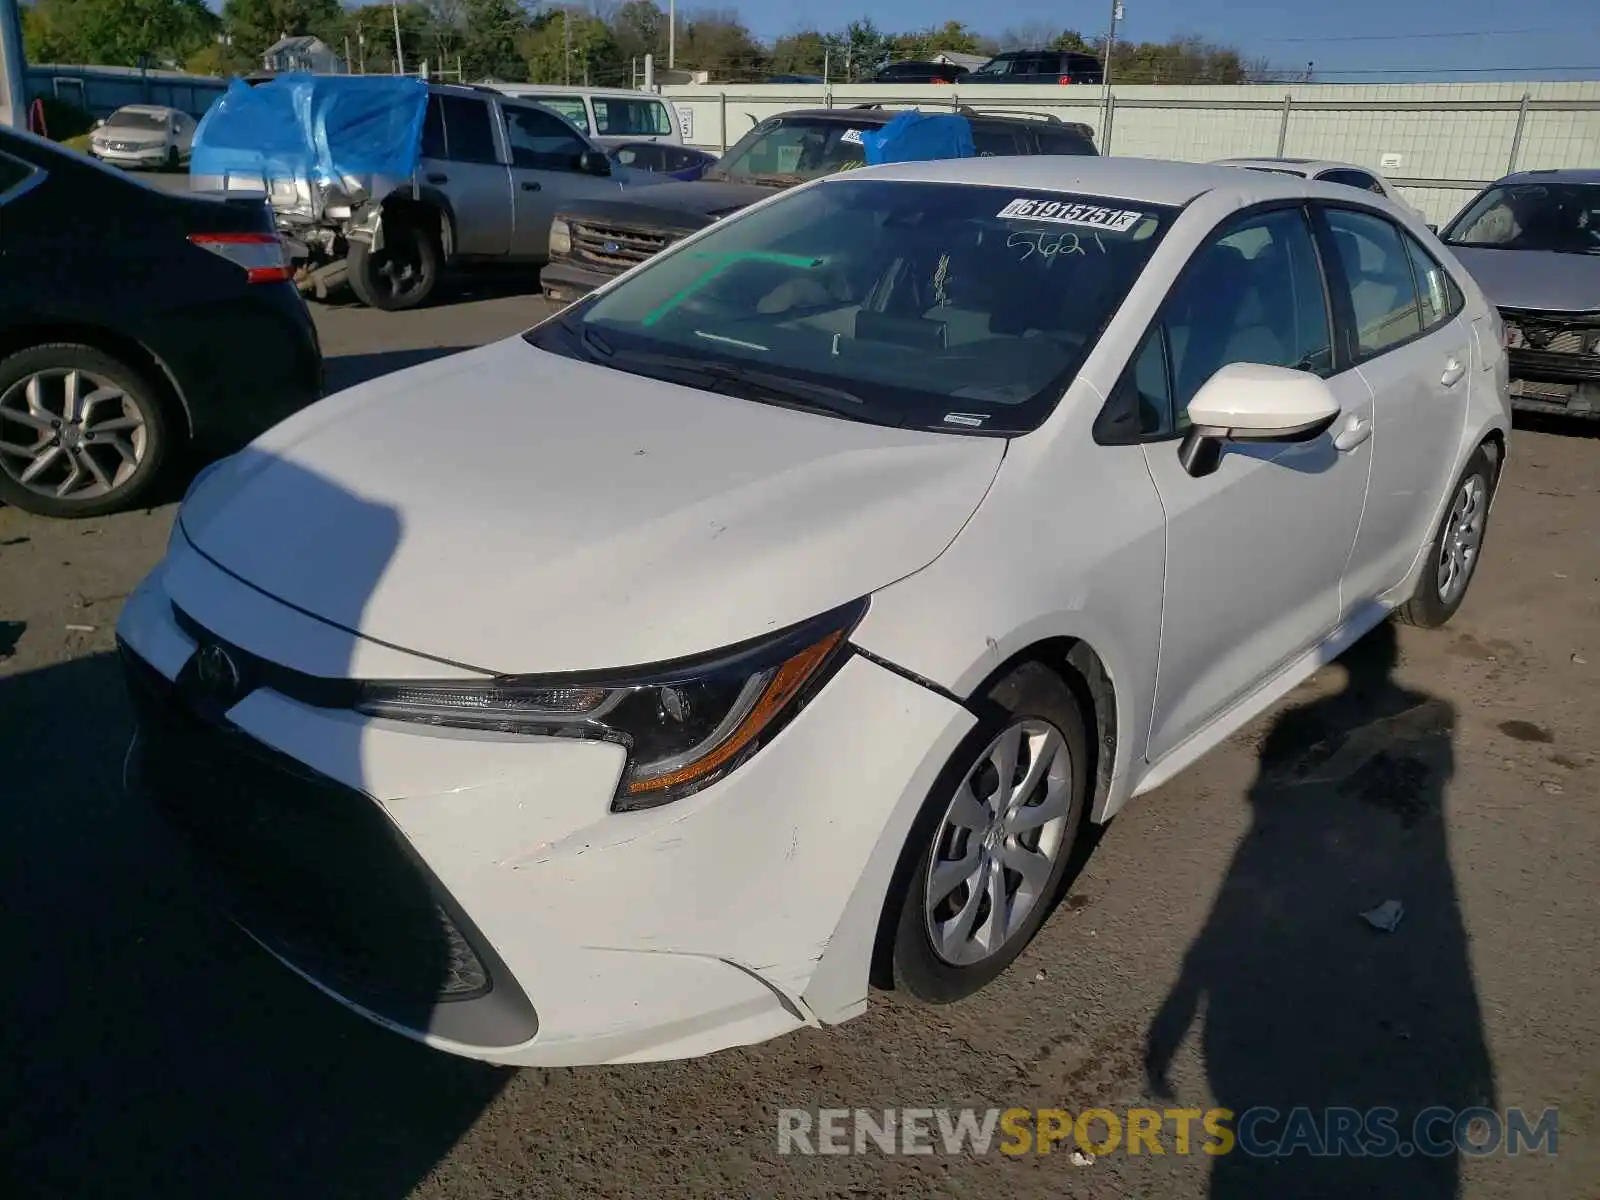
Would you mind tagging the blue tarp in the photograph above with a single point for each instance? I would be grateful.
(915, 137)
(319, 127)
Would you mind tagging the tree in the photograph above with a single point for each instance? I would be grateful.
(492, 32)
(370, 33)
(571, 46)
(253, 25)
(640, 28)
(803, 53)
(716, 40)
(117, 32)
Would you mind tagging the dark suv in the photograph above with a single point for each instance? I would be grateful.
(596, 239)
(920, 72)
(1038, 66)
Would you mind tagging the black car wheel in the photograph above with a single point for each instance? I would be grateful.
(402, 275)
(81, 433)
(1456, 546)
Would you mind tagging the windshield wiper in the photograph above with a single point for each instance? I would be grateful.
(769, 388)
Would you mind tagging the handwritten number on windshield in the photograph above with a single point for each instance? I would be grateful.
(1045, 243)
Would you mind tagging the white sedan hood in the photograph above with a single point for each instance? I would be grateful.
(516, 511)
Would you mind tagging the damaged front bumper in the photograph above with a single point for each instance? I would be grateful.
(1555, 361)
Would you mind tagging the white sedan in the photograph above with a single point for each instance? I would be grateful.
(144, 135)
(771, 622)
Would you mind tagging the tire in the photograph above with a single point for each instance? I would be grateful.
(400, 276)
(931, 958)
(104, 458)
(1455, 548)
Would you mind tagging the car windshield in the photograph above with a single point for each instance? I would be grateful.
(939, 306)
(794, 150)
(125, 119)
(996, 66)
(1563, 217)
(617, 118)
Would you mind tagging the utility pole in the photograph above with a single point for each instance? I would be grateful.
(672, 34)
(1105, 77)
(399, 54)
(566, 48)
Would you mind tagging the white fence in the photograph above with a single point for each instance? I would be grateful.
(1438, 142)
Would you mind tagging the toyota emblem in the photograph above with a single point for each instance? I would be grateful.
(217, 672)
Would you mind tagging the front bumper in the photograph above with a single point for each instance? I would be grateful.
(1554, 362)
(474, 891)
(148, 156)
(563, 282)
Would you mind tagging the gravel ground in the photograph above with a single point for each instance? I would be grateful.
(146, 1048)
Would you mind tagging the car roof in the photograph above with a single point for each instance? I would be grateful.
(1146, 180)
(1555, 175)
(1311, 166)
(555, 89)
(872, 114)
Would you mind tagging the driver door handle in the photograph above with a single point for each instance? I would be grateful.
(438, 177)
(529, 185)
(1355, 432)
(1453, 371)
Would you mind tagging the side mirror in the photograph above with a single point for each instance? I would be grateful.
(594, 162)
(1433, 229)
(1252, 402)
(100, 123)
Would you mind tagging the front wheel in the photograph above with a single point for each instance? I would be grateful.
(993, 842)
(1452, 555)
(402, 275)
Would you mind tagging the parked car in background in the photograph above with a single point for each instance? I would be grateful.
(608, 116)
(1038, 66)
(598, 239)
(1532, 241)
(144, 135)
(776, 621)
(920, 72)
(1348, 174)
(663, 158)
(479, 184)
(135, 325)
(794, 79)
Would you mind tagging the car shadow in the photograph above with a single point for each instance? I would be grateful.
(1303, 1003)
(147, 1045)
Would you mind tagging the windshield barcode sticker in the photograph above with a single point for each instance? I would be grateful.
(1117, 220)
(851, 135)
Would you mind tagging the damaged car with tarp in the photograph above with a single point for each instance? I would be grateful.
(1532, 241)
(382, 182)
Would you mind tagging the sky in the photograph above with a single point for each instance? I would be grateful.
(1424, 40)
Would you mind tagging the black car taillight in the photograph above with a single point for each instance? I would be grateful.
(262, 256)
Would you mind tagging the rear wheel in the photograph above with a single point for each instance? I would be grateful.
(987, 854)
(1452, 555)
(81, 433)
(402, 275)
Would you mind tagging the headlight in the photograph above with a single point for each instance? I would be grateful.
(560, 237)
(685, 725)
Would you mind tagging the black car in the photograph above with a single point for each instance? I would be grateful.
(593, 240)
(1039, 66)
(134, 325)
(920, 72)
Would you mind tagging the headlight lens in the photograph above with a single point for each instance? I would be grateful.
(685, 725)
(560, 237)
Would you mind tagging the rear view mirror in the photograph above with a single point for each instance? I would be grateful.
(593, 162)
(1252, 402)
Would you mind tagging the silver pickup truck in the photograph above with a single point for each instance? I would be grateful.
(491, 173)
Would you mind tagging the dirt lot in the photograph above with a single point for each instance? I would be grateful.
(147, 1049)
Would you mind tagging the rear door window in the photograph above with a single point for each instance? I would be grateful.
(458, 129)
(1437, 293)
(541, 141)
(1377, 274)
(1059, 141)
(994, 141)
